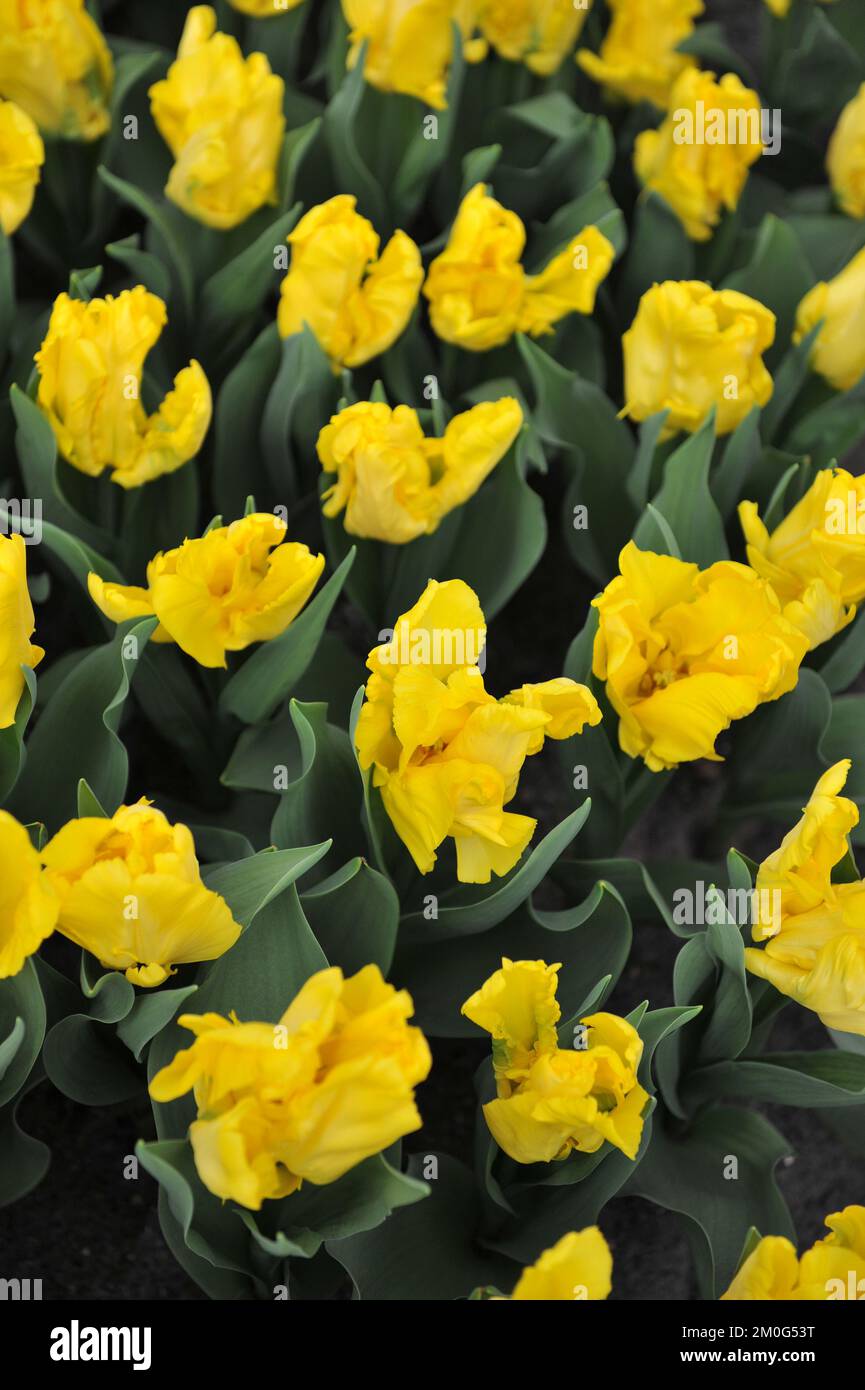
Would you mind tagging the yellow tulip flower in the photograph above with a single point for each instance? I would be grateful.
(306, 1099)
(445, 755)
(814, 930)
(221, 116)
(237, 585)
(579, 1266)
(832, 1270)
(55, 65)
(130, 892)
(356, 302)
(838, 353)
(28, 908)
(22, 155)
(551, 1101)
(639, 58)
(91, 366)
(686, 651)
(17, 625)
(393, 483)
(691, 348)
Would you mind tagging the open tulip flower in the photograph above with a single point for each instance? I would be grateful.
(774, 1273)
(236, 585)
(91, 369)
(640, 58)
(479, 293)
(56, 65)
(28, 906)
(551, 1100)
(16, 627)
(129, 891)
(306, 1099)
(444, 753)
(395, 484)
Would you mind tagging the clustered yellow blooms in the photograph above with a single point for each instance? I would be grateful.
(552, 1100)
(685, 651)
(129, 891)
(695, 176)
(479, 293)
(55, 65)
(306, 1100)
(639, 58)
(446, 755)
(845, 160)
(832, 1270)
(221, 116)
(394, 483)
(838, 353)
(356, 302)
(814, 929)
(91, 366)
(692, 348)
(22, 155)
(815, 558)
(28, 908)
(577, 1267)
(236, 585)
(17, 625)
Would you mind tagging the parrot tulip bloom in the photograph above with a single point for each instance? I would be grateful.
(551, 1101)
(221, 116)
(692, 348)
(90, 368)
(22, 155)
(833, 1269)
(838, 353)
(444, 753)
(28, 908)
(409, 44)
(696, 179)
(356, 302)
(639, 58)
(393, 483)
(55, 65)
(130, 892)
(17, 625)
(686, 651)
(237, 585)
(579, 1266)
(539, 33)
(845, 160)
(815, 558)
(306, 1099)
(479, 293)
(814, 929)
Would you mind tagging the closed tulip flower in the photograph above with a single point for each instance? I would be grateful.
(130, 892)
(307, 1099)
(639, 58)
(16, 627)
(685, 651)
(814, 929)
(832, 1270)
(91, 367)
(539, 33)
(237, 585)
(22, 155)
(698, 178)
(28, 908)
(221, 116)
(845, 160)
(579, 1266)
(356, 302)
(815, 558)
(445, 754)
(551, 1101)
(393, 483)
(692, 348)
(838, 354)
(479, 293)
(55, 65)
